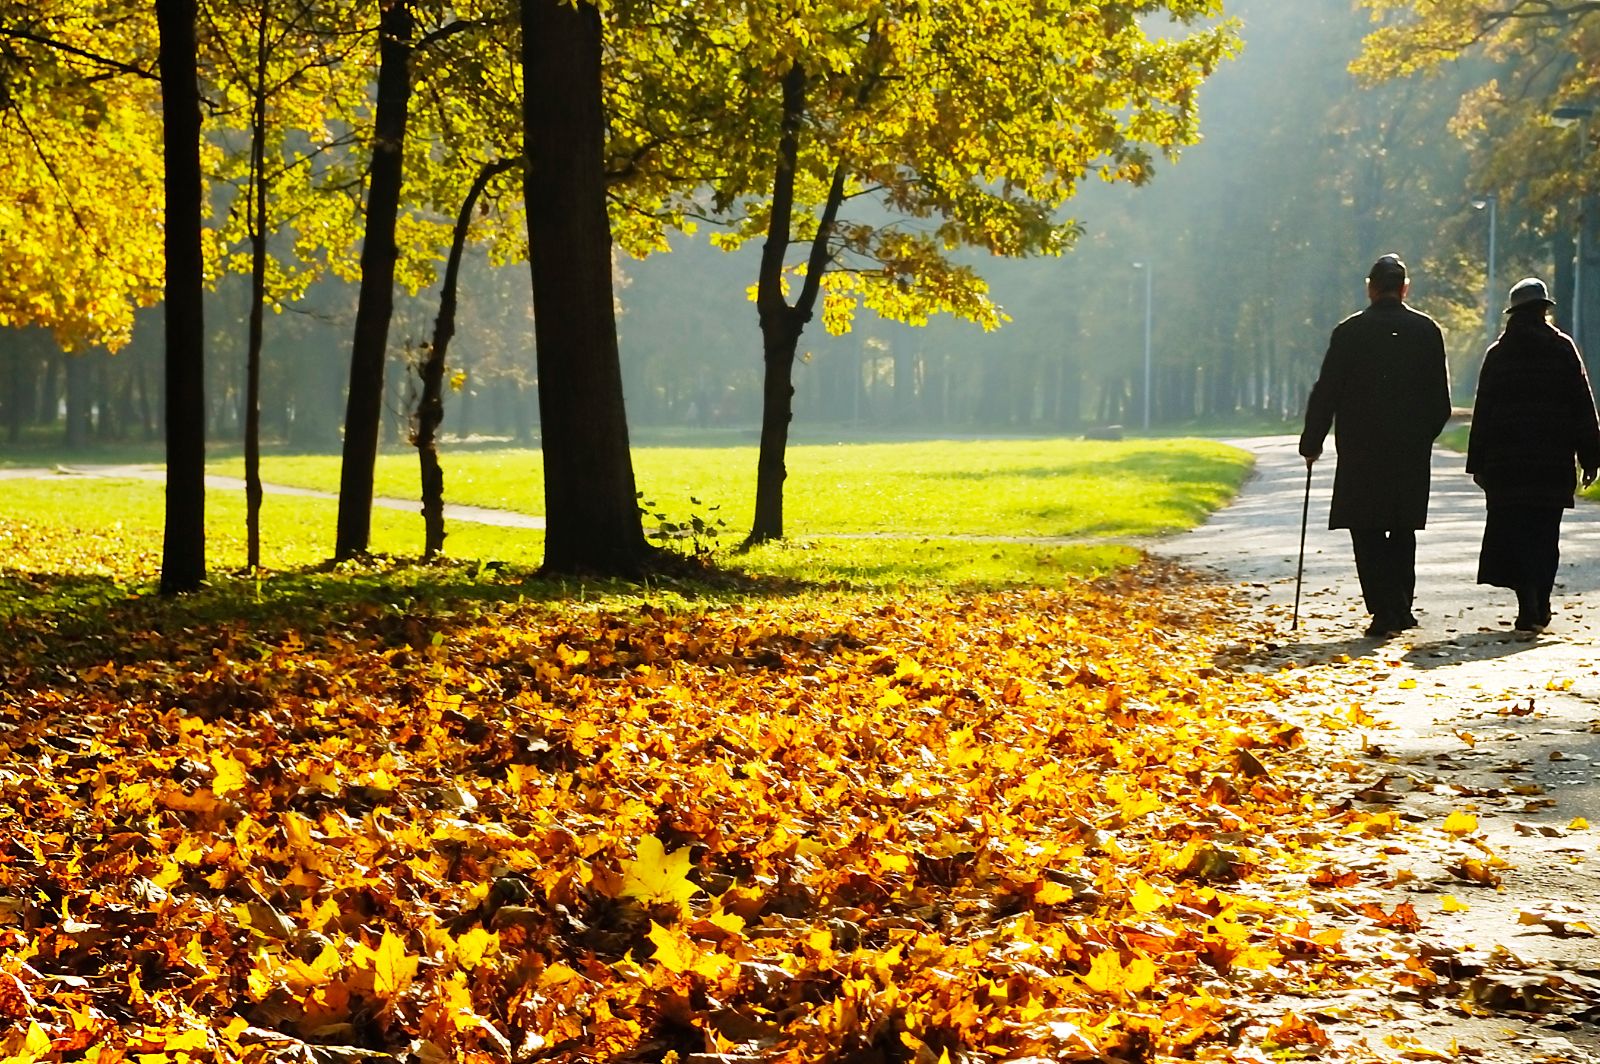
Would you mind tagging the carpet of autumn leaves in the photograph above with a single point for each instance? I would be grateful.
(981, 826)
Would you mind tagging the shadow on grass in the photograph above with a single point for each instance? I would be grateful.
(1151, 464)
(56, 621)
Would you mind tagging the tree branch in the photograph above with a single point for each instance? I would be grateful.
(62, 46)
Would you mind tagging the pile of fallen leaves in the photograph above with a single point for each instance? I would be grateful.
(1031, 824)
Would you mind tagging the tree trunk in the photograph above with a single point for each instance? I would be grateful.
(14, 394)
(781, 324)
(258, 299)
(779, 338)
(591, 509)
(430, 405)
(183, 558)
(79, 422)
(147, 411)
(1589, 298)
(364, 402)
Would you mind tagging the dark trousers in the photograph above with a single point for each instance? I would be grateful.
(1386, 561)
(1522, 551)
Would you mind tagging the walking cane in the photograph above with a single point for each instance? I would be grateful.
(1300, 570)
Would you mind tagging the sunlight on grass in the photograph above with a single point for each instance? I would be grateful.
(983, 487)
(859, 516)
(113, 528)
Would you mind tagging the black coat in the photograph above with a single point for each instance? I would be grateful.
(1384, 382)
(1534, 415)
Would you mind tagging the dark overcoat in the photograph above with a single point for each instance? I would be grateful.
(1534, 415)
(1385, 390)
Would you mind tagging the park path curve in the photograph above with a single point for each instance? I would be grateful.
(1470, 716)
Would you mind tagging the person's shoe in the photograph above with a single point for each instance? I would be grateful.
(1382, 627)
(1405, 621)
(1533, 625)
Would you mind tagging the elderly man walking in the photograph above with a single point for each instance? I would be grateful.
(1385, 391)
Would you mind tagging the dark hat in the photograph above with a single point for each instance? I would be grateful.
(1387, 272)
(1526, 292)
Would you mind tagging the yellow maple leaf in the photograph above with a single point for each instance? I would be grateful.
(230, 774)
(1146, 899)
(473, 945)
(1106, 974)
(1460, 823)
(392, 968)
(1449, 904)
(674, 951)
(1578, 824)
(657, 876)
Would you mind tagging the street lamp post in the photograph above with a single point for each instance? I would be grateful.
(1149, 281)
(1491, 319)
(1565, 115)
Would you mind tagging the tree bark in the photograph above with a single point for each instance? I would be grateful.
(183, 559)
(79, 423)
(430, 406)
(14, 391)
(258, 298)
(364, 402)
(782, 324)
(591, 508)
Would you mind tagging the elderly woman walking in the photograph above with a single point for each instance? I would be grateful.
(1534, 415)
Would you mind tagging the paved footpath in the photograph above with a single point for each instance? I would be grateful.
(1465, 715)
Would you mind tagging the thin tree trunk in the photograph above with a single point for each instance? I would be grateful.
(183, 559)
(14, 399)
(147, 414)
(78, 418)
(781, 324)
(591, 508)
(364, 403)
(258, 298)
(430, 406)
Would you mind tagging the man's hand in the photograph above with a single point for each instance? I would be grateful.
(1589, 476)
(1311, 459)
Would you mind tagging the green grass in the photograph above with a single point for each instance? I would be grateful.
(985, 487)
(110, 530)
(113, 528)
(91, 540)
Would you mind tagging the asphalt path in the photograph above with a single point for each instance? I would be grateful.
(1459, 715)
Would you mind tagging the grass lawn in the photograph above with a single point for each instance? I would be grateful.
(1454, 437)
(1056, 487)
(110, 530)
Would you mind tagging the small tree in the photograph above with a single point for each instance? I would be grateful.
(963, 125)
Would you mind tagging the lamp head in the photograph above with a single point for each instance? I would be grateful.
(1569, 113)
